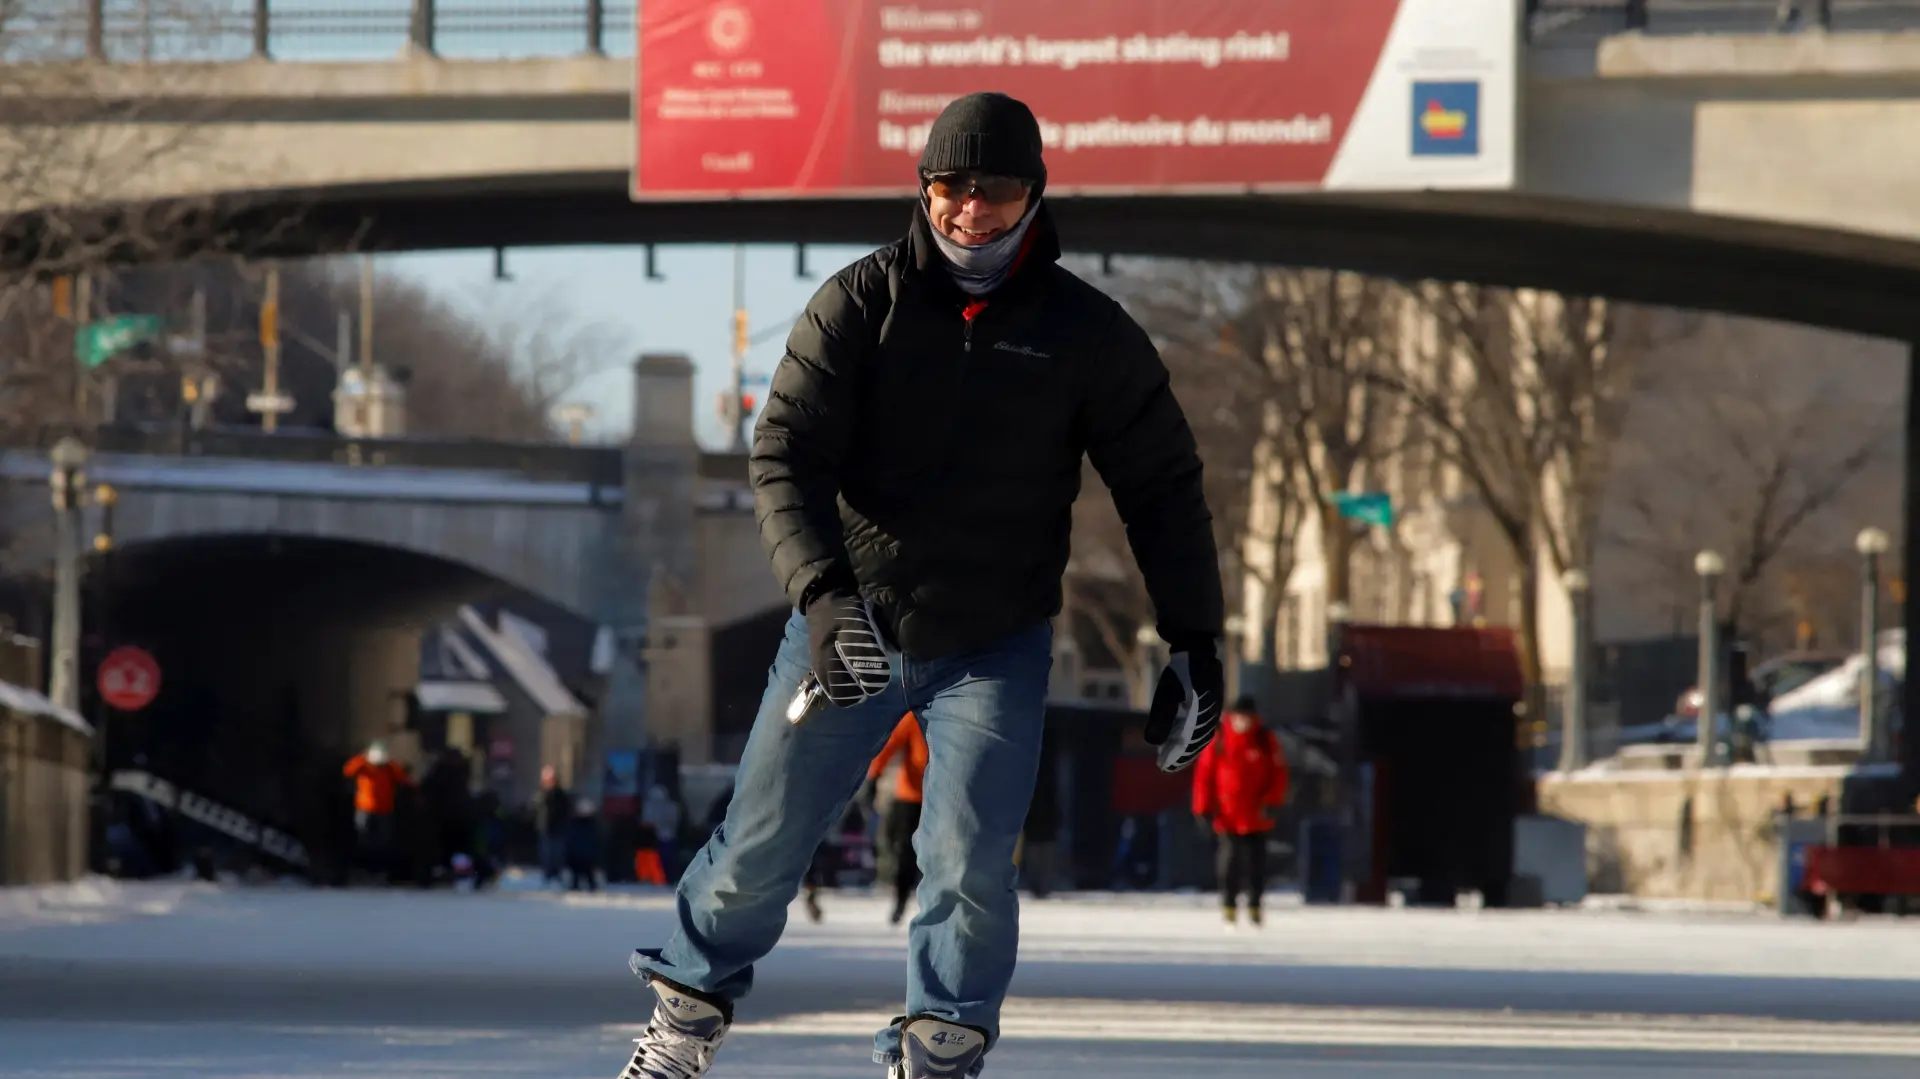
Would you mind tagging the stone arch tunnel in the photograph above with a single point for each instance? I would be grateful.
(280, 655)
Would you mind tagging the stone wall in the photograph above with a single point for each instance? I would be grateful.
(1686, 835)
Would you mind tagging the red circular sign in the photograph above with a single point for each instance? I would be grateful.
(129, 678)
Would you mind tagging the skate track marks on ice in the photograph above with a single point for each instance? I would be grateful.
(277, 982)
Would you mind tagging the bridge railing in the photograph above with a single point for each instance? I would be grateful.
(214, 30)
(204, 30)
(599, 466)
(1552, 21)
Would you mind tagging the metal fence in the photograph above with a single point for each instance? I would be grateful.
(319, 30)
(213, 30)
(1566, 21)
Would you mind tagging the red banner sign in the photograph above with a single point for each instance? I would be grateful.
(746, 97)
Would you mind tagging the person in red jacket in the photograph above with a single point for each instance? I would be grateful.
(1236, 779)
(376, 783)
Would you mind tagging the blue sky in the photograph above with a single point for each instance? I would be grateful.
(607, 288)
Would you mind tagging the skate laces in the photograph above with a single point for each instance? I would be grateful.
(665, 1051)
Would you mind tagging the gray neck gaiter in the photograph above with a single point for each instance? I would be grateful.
(981, 269)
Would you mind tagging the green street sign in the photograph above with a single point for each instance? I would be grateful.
(98, 342)
(1373, 507)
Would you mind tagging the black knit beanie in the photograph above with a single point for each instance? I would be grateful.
(987, 133)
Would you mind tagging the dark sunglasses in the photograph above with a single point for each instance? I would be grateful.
(961, 187)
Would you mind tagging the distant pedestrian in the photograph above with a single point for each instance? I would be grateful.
(661, 812)
(1235, 780)
(1039, 836)
(552, 809)
(582, 848)
(830, 857)
(447, 797)
(909, 744)
(377, 780)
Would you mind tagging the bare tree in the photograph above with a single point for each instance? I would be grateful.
(79, 153)
(1524, 393)
(510, 371)
(1771, 444)
(465, 378)
(1276, 365)
(1320, 339)
(102, 166)
(1103, 589)
(1181, 306)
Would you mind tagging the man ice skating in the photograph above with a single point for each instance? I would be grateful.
(914, 473)
(1237, 777)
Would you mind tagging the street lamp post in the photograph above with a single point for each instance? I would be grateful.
(1339, 613)
(1573, 728)
(69, 460)
(106, 497)
(1871, 543)
(1236, 629)
(1709, 566)
(1147, 640)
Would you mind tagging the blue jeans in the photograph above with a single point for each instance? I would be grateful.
(982, 714)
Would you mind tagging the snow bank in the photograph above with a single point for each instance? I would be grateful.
(90, 900)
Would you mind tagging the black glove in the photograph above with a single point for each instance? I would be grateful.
(1187, 702)
(848, 658)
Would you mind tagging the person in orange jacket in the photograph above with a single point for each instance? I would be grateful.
(1236, 779)
(376, 783)
(909, 743)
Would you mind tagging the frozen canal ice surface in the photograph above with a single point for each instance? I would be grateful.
(177, 980)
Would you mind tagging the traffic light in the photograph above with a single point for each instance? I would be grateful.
(62, 295)
(740, 332)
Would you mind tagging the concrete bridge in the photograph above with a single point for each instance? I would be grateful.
(291, 566)
(537, 518)
(1698, 160)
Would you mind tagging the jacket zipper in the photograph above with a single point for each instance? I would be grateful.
(974, 307)
(970, 313)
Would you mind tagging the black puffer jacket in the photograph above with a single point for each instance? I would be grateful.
(935, 458)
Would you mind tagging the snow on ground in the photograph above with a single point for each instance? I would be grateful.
(232, 982)
(87, 901)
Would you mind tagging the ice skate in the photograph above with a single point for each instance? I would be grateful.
(681, 1038)
(1229, 917)
(931, 1049)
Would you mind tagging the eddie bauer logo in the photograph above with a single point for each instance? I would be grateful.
(1024, 350)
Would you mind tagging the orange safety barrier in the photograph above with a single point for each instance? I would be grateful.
(1863, 871)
